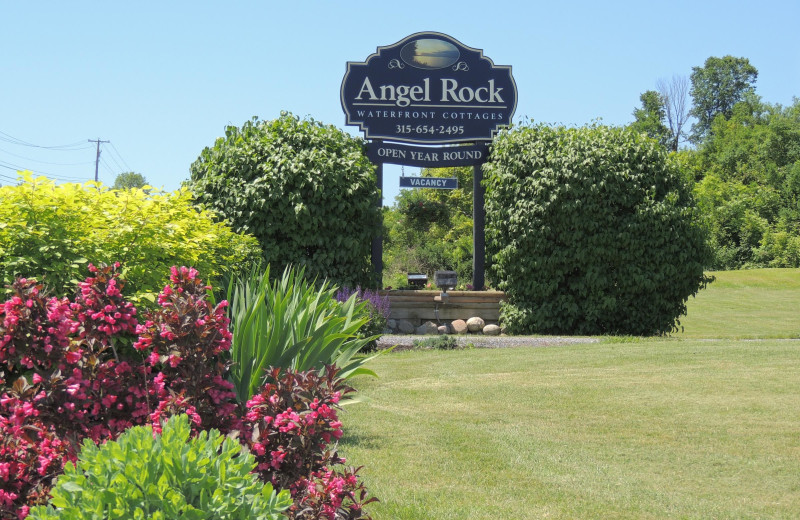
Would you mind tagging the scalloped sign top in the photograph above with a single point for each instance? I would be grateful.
(428, 88)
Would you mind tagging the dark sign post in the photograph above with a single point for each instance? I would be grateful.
(430, 89)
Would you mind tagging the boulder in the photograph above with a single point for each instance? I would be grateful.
(405, 327)
(428, 327)
(459, 327)
(391, 324)
(491, 330)
(444, 329)
(475, 324)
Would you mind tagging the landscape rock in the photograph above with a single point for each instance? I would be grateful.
(391, 324)
(405, 327)
(475, 324)
(444, 329)
(428, 327)
(459, 327)
(491, 330)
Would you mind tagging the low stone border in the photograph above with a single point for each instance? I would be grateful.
(473, 325)
(405, 341)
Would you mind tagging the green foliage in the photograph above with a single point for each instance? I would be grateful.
(306, 191)
(291, 323)
(716, 88)
(167, 476)
(442, 342)
(429, 230)
(747, 176)
(51, 231)
(650, 118)
(126, 180)
(590, 231)
(420, 211)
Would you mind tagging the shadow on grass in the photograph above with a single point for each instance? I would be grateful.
(362, 441)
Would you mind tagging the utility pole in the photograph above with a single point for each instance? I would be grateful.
(97, 161)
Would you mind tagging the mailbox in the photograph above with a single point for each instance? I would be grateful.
(417, 279)
(445, 280)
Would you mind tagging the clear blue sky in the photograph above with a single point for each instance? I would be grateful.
(161, 80)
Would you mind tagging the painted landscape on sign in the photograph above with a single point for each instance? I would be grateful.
(429, 53)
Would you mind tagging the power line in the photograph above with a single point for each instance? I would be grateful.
(112, 171)
(17, 168)
(119, 166)
(62, 147)
(45, 162)
(120, 157)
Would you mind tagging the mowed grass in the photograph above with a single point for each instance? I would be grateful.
(643, 429)
(757, 303)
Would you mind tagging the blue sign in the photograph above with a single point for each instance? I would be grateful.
(441, 183)
(428, 88)
(426, 156)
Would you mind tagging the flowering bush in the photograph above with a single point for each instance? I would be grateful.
(184, 343)
(81, 386)
(31, 456)
(78, 388)
(331, 495)
(291, 424)
(67, 376)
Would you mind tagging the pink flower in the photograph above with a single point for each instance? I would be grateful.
(7, 498)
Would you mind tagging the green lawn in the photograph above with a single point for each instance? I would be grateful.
(757, 303)
(679, 427)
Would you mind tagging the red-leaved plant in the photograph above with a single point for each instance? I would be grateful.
(65, 375)
(62, 382)
(290, 426)
(184, 343)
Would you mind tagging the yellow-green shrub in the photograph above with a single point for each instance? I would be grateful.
(50, 231)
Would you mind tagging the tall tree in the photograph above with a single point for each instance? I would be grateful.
(127, 180)
(716, 87)
(650, 118)
(673, 95)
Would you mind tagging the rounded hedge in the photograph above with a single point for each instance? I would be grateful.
(590, 231)
(305, 190)
(51, 231)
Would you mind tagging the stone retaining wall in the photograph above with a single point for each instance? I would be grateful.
(419, 312)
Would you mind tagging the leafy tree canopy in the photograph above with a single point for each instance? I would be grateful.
(650, 118)
(126, 180)
(748, 185)
(716, 88)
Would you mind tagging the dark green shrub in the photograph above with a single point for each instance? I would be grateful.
(166, 476)
(305, 190)
(590, 231)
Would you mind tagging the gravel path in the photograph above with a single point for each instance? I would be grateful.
(406, 341)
